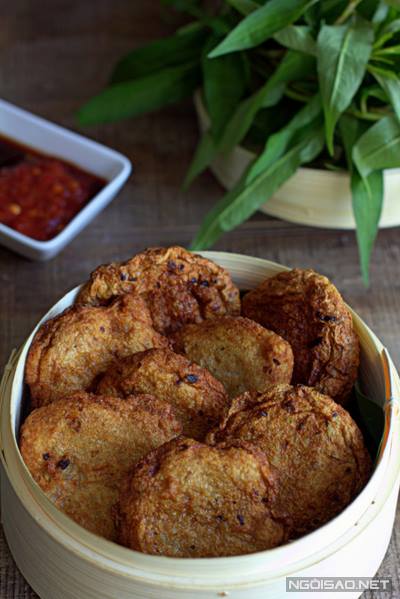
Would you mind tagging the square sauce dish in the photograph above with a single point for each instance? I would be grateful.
(53, 182)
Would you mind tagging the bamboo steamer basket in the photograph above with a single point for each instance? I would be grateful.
(61, 560)
(313, 197)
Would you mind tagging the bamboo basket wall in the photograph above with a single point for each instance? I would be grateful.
(61, 560)
(313, 197)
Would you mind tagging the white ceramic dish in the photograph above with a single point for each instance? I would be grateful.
(39, 134)
(63, 561)
(313, 197)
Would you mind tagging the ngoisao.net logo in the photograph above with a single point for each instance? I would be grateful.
(336, 584)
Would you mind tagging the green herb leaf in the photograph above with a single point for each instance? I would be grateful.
(342, 56)
(293, 66)
(394, 3)
(278, 143)
(205, 153)
(381, 13)
(379, 147)
(367, 195)
(312, 15)
(351, 130)
(245, 198)
(261, 24)
(367, 202)
(224, 82)
(132, 98)
(372, 420)
(297, 37)
(171, 51)
(375, 70)
(367, 8)
(244, 7)
(191, 7)
(372, 91)
(392, 27)
(194, 8)
(386, 51)
(392, 89)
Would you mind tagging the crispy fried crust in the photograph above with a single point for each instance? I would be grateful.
(238, 352)
(79, 448)
(178, 286)
(70, 350)
(315, 446)
(308, 311)
(190, 500)
(198, 399)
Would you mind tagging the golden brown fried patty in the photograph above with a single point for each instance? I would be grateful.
(315, 446)
(79, 448)
(178, 286)
(308, 311)
(238, 352)
(197, 397)
(70, 350)
(187, 499)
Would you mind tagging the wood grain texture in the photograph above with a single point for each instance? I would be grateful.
(53, 56)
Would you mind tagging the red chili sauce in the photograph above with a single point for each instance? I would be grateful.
(39, 194)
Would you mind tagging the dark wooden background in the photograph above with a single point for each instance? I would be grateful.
(55, 54)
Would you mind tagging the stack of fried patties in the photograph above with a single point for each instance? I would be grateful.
(171, 418)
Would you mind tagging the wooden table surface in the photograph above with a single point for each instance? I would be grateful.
(51, 61)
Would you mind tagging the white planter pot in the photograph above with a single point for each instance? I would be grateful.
(61, 560)
(315, 197)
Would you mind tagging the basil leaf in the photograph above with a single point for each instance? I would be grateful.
(131, 98)
(171, 51)
(342, 56)
(205, 153)
(261, 24)
(379, 147)
(367, 203)
(244, 199)
(224, 83)
(293, 66)
(297, 37)
(278, 143)
(392, 89)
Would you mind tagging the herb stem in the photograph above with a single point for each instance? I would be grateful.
(348, 11)
(367, 116)
(291, 93)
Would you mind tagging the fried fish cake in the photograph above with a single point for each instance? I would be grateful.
(198, 399)
(315, 446)
(178, 286)
(307, 310)
(240, 353)
(78, 450)
(187, 499)
(70, 350)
